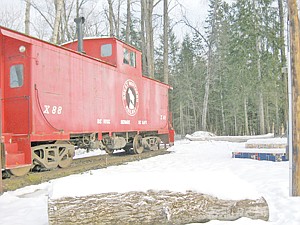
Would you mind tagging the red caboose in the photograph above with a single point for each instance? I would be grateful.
(54, 98)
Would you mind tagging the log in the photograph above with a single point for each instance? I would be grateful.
(152, 207)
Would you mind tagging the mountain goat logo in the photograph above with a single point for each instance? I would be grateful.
(130, 97)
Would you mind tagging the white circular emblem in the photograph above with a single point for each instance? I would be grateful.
(130, 97)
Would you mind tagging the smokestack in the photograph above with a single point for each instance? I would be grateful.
(79, 21)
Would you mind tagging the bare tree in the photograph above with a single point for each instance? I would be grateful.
(110, 18)
(166, 43)
(27, 17)
(128, 24)
(149, 37)
(11, 19)
(283, 62)
(209, 73)
(114, 18)
(143, 38)
(58, 11)
(261, 97)
(147, 7)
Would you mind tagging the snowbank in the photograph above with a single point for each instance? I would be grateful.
(205, 167)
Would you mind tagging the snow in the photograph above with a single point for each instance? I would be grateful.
(200, 135)
(268, 141)
(82, 153)
(203, 166)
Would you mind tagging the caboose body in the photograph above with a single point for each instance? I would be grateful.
(54, 98)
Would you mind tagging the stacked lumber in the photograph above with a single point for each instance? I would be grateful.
(270, 149)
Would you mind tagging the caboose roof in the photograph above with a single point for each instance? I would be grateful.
(31, 40)
(96, 39)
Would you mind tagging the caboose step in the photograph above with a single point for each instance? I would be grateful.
(11, 148)
(14, 159)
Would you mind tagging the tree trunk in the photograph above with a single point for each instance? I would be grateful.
(267, 117)
(166, 43)
(209, 71)
(149, 37)
(144, 49)
(117, 20)
(261, 114)
(195, 116)
(110, 18)
(181, 116)
(128, 24)
(162, 207)
(64, 24)
(27, 17)
(281, 21)
(277, 124)
(235, 123)
(283, 61)
(206, 94)
(222, 110)
(295, 67)
(58, 9)
(261, 99)
(246, 116)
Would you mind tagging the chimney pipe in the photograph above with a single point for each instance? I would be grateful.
(79, 21)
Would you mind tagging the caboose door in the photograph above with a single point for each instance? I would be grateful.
(16, 98)
(16, 123)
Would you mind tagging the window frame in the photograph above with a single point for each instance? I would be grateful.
(129, 57)
(110, 50)
(18, 76)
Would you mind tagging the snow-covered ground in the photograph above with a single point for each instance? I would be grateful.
(203, 166)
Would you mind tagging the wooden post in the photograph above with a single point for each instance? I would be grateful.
(295, 68)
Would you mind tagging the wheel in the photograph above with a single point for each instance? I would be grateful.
(20, 171)
(138, 147)
(65, 161)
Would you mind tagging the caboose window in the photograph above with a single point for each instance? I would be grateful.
(126, 56)
(129, 57)
(132, 59)
(106, 50)
(16, 76)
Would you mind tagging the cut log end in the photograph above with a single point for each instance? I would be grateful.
(152, 207)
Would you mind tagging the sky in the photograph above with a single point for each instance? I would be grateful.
(194, 10)
(203, 166)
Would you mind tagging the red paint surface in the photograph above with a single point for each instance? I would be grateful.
(66, 92)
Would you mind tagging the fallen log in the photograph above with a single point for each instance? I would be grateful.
(152, 207)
